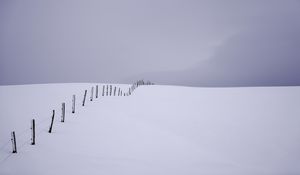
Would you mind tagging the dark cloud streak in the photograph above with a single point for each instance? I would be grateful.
(262, 55)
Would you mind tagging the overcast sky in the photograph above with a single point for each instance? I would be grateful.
(183, 42)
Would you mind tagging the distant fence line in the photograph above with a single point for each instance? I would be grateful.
(107, 90)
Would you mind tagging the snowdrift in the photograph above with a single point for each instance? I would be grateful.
(156, 130)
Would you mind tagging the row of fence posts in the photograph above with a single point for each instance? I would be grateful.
(110, 91)
(137, 84)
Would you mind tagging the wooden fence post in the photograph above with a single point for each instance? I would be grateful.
(50, 129)
(63, 112)
(107, 90)
(115, 89)
(110, 90)
(83, 102)
(32, 132)
(92, 94)
(96, 91)
(103, 90)
(73, 104)
(14, 142)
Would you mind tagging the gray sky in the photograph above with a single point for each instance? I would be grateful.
(185, 42)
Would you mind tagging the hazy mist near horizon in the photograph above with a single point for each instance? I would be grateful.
(180, 42)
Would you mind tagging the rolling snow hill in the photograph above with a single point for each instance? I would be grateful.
(157, 130)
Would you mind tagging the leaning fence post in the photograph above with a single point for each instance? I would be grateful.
(83, 102)
(115, 89)
(63, 112)
(92, 94)
(96, 91)
(50, 129)
(73, 104)
(32, 132)
(14, 142)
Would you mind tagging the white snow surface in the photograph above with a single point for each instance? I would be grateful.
(158, 130)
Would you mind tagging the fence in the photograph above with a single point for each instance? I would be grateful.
(107, 90)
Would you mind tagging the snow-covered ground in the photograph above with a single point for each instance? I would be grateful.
(157, 130)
